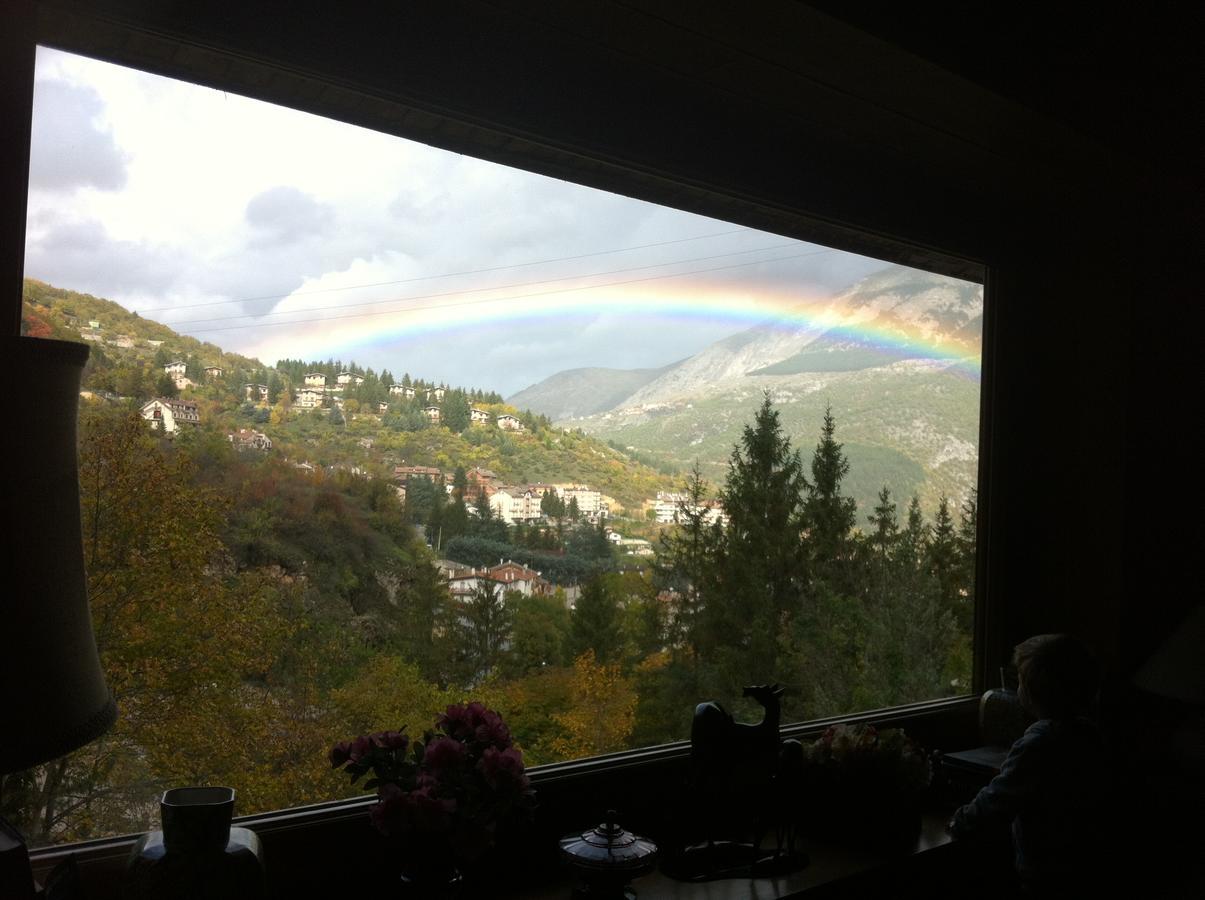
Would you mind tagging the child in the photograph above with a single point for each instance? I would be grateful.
(1053, 785)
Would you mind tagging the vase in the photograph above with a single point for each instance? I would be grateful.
(197, 855)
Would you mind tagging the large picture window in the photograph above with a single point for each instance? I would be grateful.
(369, 427)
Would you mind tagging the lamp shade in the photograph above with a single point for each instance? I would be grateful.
(53, 697)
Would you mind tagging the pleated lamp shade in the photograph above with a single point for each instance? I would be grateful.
(53, 697)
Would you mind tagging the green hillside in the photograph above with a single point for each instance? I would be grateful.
(912, 429)
(360, 437)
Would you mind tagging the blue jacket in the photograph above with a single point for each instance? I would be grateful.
(1054, 787)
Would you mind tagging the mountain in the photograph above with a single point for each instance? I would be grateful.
(907, 413)
(583, 392)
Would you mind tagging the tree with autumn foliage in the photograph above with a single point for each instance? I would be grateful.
(603, 711)
(190, 649)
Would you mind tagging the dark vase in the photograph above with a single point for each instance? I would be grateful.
(197, 855)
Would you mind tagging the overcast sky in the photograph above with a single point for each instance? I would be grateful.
(279, 234)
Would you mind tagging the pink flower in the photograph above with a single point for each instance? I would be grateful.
(503, 770)
(491, 731)
(457, 722)
(360, 748)
(474, 723)
(444, 753)
(420, 810)
(391, 740)
(340, 753)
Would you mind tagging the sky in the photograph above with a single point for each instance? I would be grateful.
(276, 233)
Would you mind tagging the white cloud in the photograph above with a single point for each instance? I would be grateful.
(183, 196)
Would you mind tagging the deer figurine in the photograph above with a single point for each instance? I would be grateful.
(735, 775)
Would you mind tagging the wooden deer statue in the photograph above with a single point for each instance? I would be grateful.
(735, 770)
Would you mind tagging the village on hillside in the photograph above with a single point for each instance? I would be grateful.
(527, 504)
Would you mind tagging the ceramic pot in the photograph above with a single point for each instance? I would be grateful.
(197, 855)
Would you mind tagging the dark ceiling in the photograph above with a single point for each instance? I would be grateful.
(1127, 75)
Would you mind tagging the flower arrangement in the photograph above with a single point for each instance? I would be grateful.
(888, 759)
(866, 785)
(443, 797)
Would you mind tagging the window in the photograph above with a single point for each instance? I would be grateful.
(783, 402)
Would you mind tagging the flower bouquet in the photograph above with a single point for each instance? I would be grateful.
(864, 785)
(441, 799)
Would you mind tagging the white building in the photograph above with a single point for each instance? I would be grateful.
(435, 393)
(513, 576)
(669, 507)
(213, 372)
(400, 390)
(507, 422)
(248, 439)
(432, 413)
(589, 502)
(309, 398)
(170, 415)
(175, 369)
(255, 391)
(315, 379)
(478, 416)
(516, 504)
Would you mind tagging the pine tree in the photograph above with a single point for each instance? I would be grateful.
(455, 411)
(485, 622)
(943, 556)
(886, 528)
(594, 626)
(685, 563)
(828, 515)
(762, 555)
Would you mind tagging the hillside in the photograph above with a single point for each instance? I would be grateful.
(55, 312)
(582, 392)
(129, 351)
(907, 411)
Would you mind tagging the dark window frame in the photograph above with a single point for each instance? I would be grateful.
(947, 722)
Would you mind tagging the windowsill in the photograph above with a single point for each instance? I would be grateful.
(830, 866)
(572, 796)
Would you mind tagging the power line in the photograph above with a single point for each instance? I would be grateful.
(501, 287)
(538, 262)
(590, 287)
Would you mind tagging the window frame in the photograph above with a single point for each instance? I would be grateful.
(949, 721)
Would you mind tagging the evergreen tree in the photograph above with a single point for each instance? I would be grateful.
(165, 386)
(594, 625)
(943, 555)
(551, 505)
(762, 563)
(454, 412)
(485, 621)
(964, 579)
(829, 516)
(685, 563)
(914, 539)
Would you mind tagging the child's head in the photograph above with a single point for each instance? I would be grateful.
(1058, 676)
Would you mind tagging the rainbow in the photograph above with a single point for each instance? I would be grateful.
(373, 323)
